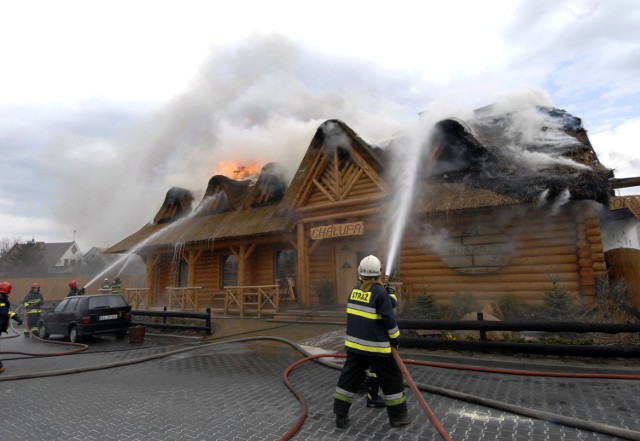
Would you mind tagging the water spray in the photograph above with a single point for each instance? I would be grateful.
(142, 243)
(409, 159)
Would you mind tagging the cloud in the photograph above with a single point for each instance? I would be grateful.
(617, 149)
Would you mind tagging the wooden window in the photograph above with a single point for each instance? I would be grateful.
(183, 274)
(230, 270)
(285, 266)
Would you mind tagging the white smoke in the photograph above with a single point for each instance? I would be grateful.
(260, 101)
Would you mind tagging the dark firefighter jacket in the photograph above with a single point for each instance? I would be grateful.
(6, 314)
(33, 302)
(370, 321)
(116, 286)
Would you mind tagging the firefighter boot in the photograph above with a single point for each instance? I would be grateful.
(341, 409)
(398, 415)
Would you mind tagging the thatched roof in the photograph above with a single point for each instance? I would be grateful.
(221, 226)
(228, 210)
(177, 203)
(490, 161)
(487, 161)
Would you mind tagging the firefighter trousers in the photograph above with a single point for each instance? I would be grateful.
(33, 318)
(389, 377)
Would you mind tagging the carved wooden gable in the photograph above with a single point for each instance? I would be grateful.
(340, 174)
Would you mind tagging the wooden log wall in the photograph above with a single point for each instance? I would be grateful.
(164, 275)
(565, 247)
(591, 259)
(261, 266)
(207, 275)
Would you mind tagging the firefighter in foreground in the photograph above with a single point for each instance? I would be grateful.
(371, 332)
(5, 311)
(372, 385)
(33, 303)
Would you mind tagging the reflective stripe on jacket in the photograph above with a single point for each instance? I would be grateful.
(370, 321)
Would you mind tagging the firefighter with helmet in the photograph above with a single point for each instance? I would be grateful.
(372, 385)
(33, 304)
(5, 311)
(371, 333)
(73, 289)
(116, 285)
(106, 286)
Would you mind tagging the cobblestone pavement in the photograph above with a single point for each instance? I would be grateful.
(235, 391)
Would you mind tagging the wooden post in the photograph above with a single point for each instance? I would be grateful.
(150, 263)
(483, 334)
(303, 267)
(192, 258)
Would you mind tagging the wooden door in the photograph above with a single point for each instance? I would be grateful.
(346, 254)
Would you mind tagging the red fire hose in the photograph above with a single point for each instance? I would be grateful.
(412, 385)
(622, 433)
(303, 412)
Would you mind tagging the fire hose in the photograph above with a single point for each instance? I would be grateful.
(569, 421)
(80, 346)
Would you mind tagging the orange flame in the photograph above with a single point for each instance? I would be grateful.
(234, 170)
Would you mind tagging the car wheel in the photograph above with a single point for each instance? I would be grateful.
(43, 331)
(74, 336)
(121, 334)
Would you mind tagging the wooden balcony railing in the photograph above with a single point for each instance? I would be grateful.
(258, 298)
(137, 297)
(183, 297)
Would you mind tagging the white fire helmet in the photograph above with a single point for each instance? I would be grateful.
(370, 266)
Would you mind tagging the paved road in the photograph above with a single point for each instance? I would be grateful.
(234, 391)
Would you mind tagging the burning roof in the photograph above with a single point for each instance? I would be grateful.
(488, 161)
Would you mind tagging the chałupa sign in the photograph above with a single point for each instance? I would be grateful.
(337, 230)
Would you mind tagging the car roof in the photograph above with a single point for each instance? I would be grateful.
(99, 295)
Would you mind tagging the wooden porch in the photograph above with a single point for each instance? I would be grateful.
(254, 300)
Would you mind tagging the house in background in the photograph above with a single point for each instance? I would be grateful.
(39, 259)
(496, 209)
(53, 265)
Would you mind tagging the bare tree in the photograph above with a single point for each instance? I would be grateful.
(6, 244)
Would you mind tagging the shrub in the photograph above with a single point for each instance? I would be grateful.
(424, 307)
(461, 304)
(513, 307)
(558, 304)
(612, 305)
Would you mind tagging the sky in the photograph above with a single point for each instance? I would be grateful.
(106, 105)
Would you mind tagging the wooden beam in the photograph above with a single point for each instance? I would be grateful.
(302, 256)
(325, 217)
(249, 251)
(242, 266)
(351, 184)
(313, 247)
(374, 199)
(324, 190)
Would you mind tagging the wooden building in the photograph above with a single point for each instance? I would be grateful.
(480, 222)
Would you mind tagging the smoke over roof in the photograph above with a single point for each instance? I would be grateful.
(261, 100)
